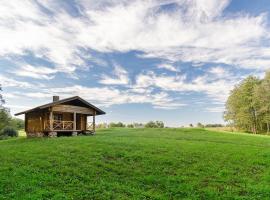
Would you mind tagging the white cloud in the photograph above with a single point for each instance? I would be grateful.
(36, 72)
(196, 31)
(220, 72)
(17, 106)
(120, 77)
(219, 109)
(168, 67)
(216, 89)
(217, 71)
(113, 96)
(10, 82)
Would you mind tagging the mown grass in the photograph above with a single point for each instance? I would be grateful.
(137, 164)
(21, 133)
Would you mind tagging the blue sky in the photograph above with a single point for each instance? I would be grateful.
(169, 60)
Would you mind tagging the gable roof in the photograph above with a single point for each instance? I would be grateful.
(87, 104)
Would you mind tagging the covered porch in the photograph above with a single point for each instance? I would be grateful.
(67, 118)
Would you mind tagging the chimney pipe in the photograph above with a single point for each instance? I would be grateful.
(56, 98)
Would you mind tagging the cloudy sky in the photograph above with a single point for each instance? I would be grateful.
(141, 60)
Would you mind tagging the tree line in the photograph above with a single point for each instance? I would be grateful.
(248, 106)
(150, 124)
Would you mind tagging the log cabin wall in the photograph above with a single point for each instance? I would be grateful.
(83, 122)
(34, 122)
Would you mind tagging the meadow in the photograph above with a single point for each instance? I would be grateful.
(124, 163)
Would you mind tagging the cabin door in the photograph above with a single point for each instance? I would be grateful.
(78, 121)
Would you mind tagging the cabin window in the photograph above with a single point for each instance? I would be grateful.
(58, 117)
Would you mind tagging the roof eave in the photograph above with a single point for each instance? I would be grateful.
(63, 101)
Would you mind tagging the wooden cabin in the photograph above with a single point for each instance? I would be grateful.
(61, 117)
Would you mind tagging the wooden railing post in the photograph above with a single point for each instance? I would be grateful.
(74, 121)
(94, 121)
(51, 121)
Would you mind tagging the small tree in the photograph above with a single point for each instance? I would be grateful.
(191, 125)
(2, 101)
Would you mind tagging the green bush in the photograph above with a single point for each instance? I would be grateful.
(9, 131)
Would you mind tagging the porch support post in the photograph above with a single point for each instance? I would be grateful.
(51, 120)
(74, 121)
(94, 121)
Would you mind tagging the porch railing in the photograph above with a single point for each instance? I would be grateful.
(60, 125)
(89, 126)
(66, 125)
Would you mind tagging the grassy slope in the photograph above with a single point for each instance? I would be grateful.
(137, 164)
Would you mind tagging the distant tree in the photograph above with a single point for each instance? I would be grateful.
(150, 124)
(114, 125)
(130, 126)
(156, 124)
(160, 124)
(200, 125)
(190, 125)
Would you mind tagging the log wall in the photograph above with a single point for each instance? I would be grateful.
(34, 122)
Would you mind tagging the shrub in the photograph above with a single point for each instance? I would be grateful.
(9, 131)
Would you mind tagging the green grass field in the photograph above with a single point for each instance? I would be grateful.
(137, 164)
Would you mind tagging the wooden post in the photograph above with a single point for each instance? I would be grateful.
(26, 122)
(51, 121)
(94, 121)
(74, 121)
